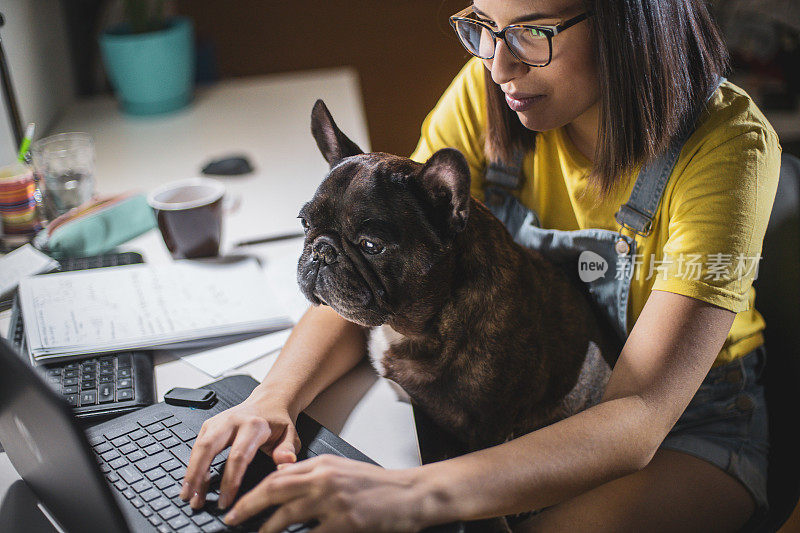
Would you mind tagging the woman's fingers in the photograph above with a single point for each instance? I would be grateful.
(297, 511)
(250, 435)
(211, 440)
(273, 490)
(285, 450)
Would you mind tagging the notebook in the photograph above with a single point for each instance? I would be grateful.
(186, 303)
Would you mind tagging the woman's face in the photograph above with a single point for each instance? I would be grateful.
(548, 97)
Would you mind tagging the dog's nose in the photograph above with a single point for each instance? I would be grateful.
(324, 250)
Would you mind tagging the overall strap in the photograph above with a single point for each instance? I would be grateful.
(637, 213)
(508, 176)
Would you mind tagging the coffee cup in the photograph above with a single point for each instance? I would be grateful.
(189, 214)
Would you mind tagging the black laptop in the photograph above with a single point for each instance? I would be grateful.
(125, 474)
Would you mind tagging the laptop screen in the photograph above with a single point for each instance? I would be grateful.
(50, 451)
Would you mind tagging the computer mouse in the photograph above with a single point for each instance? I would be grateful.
(228, 166)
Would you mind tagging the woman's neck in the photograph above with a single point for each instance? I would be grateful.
(583, 132)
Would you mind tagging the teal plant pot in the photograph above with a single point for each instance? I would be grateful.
(151, 72)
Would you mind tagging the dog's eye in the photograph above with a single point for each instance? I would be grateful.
(370, 247)
(304, 223)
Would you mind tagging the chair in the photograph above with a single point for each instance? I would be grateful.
(778, 300)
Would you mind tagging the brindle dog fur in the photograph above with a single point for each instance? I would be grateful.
(488, 337)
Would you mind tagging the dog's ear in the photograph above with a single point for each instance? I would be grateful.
(445, 180)
(333, 144)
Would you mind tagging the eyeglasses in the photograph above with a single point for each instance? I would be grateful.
(530, 43)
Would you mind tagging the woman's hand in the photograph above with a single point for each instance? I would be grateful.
(342, 494)
(253, 424)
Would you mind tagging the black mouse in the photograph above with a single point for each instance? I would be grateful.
(228, 166)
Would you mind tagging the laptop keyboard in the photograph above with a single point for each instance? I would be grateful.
(146, 464)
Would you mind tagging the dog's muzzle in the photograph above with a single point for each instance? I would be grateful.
(323, 250)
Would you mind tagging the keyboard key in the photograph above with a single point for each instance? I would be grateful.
(153, 461)
(120, 485)
(183, 432)
(127, 448)
(141, 485)
(164, 482)
(124, 383)
(72, 399)
(69, 382)
(124, 372)
(177, 522)
(145, 442)
(129, 494)
(221, 457)
(214, 527)
(155, 474)
(162, 435)
(138, 455)
(72, 389)
(88, 385)
(112, 434)
(53, 372)
(172, 491)
(170, 442)
(137, 502)
(109, 455)
(163, 528)
(124, 394)
(112, 477)
(159, 503)
(119, 441)
(155, 520)
(138, 434)
(102, 447)
(153, 448)
(106, 379)
(169, 512)
(146, 420)
(71, 373)
(155, 428)
(118, 463)
(202, 518)
(178, 474)
(191, 528)
(171, 421)
(98, 439)
(171, 465)
(182, 452)
(150, 494)
(71, 365)
(123, 360)
(129, 474)
(146, 511)
(88, 398)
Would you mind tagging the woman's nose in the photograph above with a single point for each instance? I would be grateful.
(504, 66)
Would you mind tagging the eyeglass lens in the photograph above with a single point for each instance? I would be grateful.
(530, 45)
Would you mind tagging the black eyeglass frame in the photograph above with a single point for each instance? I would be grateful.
(549, 30)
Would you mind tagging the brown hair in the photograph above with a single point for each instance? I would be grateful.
(658, 62)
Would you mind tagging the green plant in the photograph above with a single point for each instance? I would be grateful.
(144, 15)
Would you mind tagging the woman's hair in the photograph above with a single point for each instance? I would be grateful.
(658, 61)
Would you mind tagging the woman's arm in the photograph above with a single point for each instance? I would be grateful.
(667, 355)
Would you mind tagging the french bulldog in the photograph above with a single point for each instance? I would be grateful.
(487, 337)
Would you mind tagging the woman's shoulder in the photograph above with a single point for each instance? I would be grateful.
(731, 113)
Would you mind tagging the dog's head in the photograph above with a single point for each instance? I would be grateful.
(378, 225)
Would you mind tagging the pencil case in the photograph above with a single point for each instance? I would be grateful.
(96, 227)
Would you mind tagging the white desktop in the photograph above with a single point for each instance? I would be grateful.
(268, 120)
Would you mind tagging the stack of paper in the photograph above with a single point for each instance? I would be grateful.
(145, 307)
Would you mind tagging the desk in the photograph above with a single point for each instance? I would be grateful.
(268, 119)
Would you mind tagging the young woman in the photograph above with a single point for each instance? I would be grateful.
(571, 110)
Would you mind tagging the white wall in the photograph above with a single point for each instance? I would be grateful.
(34, 38)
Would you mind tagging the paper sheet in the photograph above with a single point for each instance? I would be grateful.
(217, 361)
(23, 262)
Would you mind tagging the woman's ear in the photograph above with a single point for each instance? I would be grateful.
(445, 180)
(333, 144)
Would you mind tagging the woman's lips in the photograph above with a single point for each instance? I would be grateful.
(522, 103)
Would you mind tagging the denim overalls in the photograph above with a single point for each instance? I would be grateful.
(730, 402)
(609, 291)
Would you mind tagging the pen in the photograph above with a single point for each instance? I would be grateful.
(26, 142)
(273, 238)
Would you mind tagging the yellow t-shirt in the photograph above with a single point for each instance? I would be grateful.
(710, 224)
